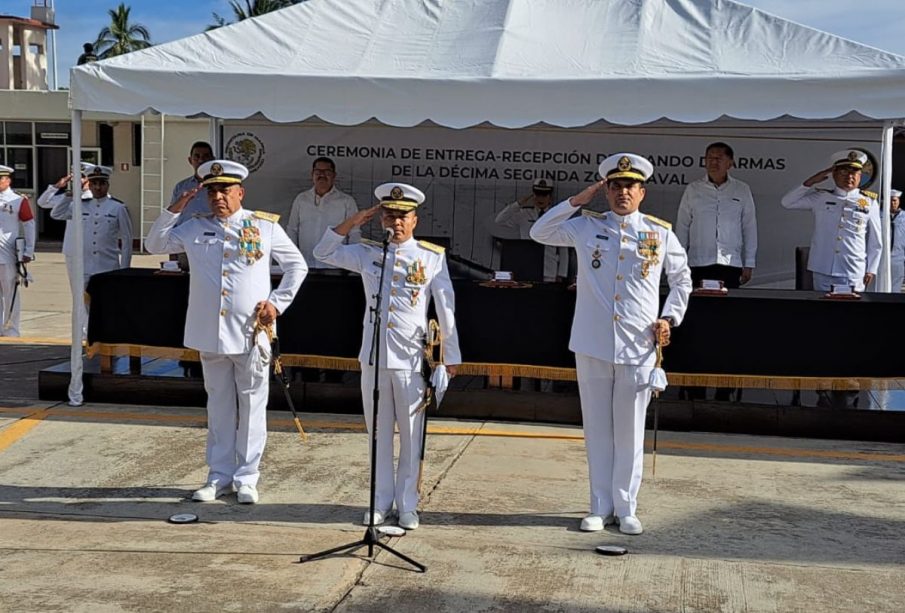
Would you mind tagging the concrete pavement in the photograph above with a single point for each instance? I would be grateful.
(732, 523)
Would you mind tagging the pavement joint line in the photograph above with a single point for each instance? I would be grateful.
(481, 430)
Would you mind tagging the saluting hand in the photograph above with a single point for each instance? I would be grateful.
(818, 177)
(62, 182)
(360, 218)
(586, 195)
(184, 199)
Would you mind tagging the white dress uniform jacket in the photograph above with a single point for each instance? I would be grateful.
(106, 233)
(224, 287)
(716, 224)
(846, 238)
(616, 303)
(416, 271)
(13, 208)
(897, 252)
(556, 259)
(197, 205)
(311, 215)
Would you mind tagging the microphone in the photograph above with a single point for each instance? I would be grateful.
(387, 235)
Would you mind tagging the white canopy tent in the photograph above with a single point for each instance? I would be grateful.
(510, 63)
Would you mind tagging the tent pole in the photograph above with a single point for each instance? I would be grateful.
(214, 137)
(884, 282)
(76, 265)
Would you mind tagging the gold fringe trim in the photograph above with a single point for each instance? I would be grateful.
(487, 369)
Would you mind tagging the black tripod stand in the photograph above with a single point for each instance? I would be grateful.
(371, 537)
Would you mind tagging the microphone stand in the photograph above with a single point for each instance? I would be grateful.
(371, 537)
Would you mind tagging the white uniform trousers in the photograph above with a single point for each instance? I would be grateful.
(613, 408)
(401, 391)
(897, 276)
(824, 283)
(9, 322)
(237, 393)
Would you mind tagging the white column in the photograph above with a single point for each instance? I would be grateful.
(78, 264)
(883, 274)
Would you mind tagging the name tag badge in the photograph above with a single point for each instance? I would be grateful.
(210, 234)
(602, 236)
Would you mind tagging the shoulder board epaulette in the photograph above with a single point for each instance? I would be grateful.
(116, 200)
(431, 247)
(590, 213)
(271, 217)
(659, 222)
(369, 242)
(823, 189)
(869, 194)
(202, 215)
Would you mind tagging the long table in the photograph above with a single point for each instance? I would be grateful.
(749, 338)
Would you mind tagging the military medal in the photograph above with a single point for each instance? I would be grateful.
(595, 257)
(415, 273)
(415, 293)
(863, 204)
(649, 249)
(250, 242)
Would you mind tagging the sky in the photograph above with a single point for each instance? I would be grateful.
(882, 25)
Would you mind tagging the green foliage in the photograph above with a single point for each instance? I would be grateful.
(121, 36)
(252, 8)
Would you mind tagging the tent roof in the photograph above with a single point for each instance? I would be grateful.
(512, 63)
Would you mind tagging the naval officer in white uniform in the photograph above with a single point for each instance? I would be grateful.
(229, 250)
(106, 227)
(14, 211)
(416, 272)
(621, 256)
(845, 244)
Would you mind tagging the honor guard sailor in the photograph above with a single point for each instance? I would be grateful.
(14, 211)
(845, 244)
(522, 214)
(106, 232)
(621, 255)
(416, 272)
(229, 250)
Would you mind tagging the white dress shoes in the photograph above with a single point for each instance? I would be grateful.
(379, 517)
(630, 525)
(596, 523)
(248, 494)
(211, 491)
(409, 520)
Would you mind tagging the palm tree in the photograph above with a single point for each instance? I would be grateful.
(252, 8)
(121, 36)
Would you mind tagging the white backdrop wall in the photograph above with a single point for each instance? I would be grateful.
(469, 175)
